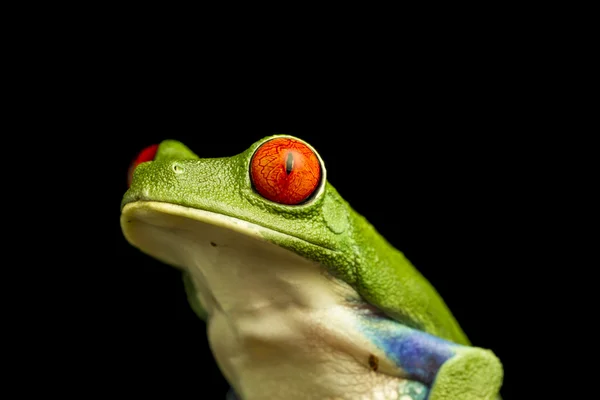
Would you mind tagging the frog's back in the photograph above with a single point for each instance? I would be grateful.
(389, 281)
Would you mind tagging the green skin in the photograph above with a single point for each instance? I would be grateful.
(328, 231)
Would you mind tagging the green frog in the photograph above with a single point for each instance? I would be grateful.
(302, 297)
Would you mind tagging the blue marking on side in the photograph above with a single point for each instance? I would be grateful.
(419, 354)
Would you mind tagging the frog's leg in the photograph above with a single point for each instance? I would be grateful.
(472, 373)
(449, 371)
(192, 296)
(196, 305)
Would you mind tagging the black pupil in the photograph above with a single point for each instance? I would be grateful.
(289, 163)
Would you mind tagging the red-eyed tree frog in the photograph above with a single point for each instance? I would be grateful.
(302, 297)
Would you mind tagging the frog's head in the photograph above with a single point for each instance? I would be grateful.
(275, 191)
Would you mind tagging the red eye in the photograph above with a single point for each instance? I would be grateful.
(145, 155)
(285, 171)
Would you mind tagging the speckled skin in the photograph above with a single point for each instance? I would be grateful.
(327, 230)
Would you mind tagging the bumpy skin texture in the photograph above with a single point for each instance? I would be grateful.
(327, 230)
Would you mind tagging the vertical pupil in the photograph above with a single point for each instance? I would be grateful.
(289, 163)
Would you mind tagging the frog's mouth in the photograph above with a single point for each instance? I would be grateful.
(153, 227)
(236, 265)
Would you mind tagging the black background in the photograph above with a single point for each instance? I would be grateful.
(439, 152)
(449, 135)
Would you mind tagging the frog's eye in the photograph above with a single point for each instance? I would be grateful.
(285, 171)
(146, 154)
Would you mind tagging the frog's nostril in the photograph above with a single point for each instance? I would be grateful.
(177, 168)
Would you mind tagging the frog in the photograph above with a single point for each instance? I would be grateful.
(302, 297)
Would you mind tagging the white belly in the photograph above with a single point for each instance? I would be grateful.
(279, 326)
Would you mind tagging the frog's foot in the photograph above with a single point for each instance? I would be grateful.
(472, 374)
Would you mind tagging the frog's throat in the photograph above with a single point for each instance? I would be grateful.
(182, 218)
